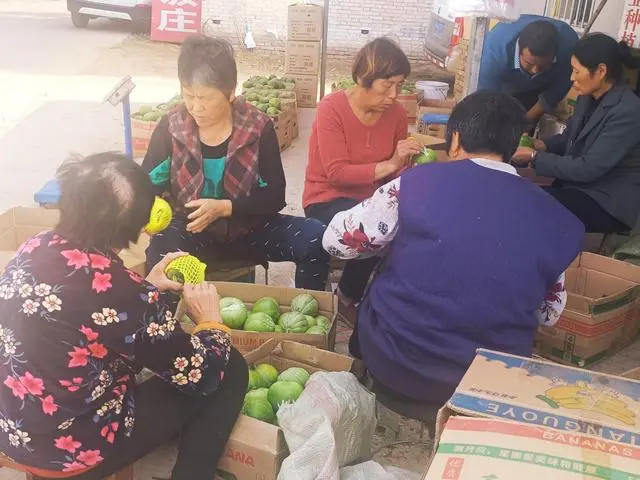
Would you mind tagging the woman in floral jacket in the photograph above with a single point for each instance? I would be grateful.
(76, 326)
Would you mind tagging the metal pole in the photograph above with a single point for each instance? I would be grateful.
(594, 17)
(478, 32)
(323, 61)
(126, 113)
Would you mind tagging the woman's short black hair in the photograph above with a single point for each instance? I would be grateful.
(600, 49)
(541, 38)
(105, 201)
(208, 62)
(381, 58)
(488, 122)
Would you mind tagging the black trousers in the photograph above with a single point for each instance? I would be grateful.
(203, 425)
(595, 218)
(356, 274)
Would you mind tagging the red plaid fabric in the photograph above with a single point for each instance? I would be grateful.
(241, 171)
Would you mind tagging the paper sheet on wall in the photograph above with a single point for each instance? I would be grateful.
(501, 9)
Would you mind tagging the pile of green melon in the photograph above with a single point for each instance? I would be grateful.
(408, 88)
(148, 113)
(268, 390)
(269, 94)
(265, 316)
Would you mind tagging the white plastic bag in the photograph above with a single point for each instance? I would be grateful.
(331, 425)
(502, 9)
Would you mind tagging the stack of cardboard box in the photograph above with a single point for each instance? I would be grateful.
(302, 60)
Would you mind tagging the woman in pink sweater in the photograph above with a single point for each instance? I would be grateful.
(359, 142)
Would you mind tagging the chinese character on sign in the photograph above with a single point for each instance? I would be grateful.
(629, 37)
(630, 22)
(453, 469)
(174, 20)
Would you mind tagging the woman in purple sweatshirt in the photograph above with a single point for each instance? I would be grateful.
(475, 257)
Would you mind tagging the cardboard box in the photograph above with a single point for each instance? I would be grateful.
(632, 374)
(306, 90)
(20, 223)
(602, 312)
(286, 124)
(256, 449)
(302, 58)
(305, 22)
(249, 341)
(410, 103)
(473, 448)
(141, 132)
(544, 394)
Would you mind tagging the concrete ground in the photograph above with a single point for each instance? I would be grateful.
(54, 79)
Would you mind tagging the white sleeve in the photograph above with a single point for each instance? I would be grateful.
(549, 312)
(367, 229)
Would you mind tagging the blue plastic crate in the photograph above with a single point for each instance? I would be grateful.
(49, 194)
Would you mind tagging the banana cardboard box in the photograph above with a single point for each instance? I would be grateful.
(490, 449)
(539, 393)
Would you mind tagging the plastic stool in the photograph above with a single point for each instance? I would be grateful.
(49, 194)
(435, 118)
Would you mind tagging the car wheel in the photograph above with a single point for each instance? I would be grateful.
(79, 20)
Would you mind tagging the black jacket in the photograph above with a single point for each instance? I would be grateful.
(600, 155)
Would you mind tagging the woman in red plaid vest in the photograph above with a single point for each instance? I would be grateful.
(217, 159)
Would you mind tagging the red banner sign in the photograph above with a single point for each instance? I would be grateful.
(174, 20)
(629, 26)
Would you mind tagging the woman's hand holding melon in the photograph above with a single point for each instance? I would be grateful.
(203, 302)
(159, 279)
(405, 150)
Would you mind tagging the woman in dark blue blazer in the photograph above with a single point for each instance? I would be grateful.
(596, 161)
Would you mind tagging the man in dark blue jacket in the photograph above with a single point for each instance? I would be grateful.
(529, 59)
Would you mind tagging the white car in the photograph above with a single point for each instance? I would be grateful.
(138, 12)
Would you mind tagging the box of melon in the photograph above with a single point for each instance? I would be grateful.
(257, 313)
(279, 371)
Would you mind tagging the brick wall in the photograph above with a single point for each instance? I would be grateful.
(407, 21)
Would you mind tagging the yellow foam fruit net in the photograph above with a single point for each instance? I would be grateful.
(160, 216)
(187, 269)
